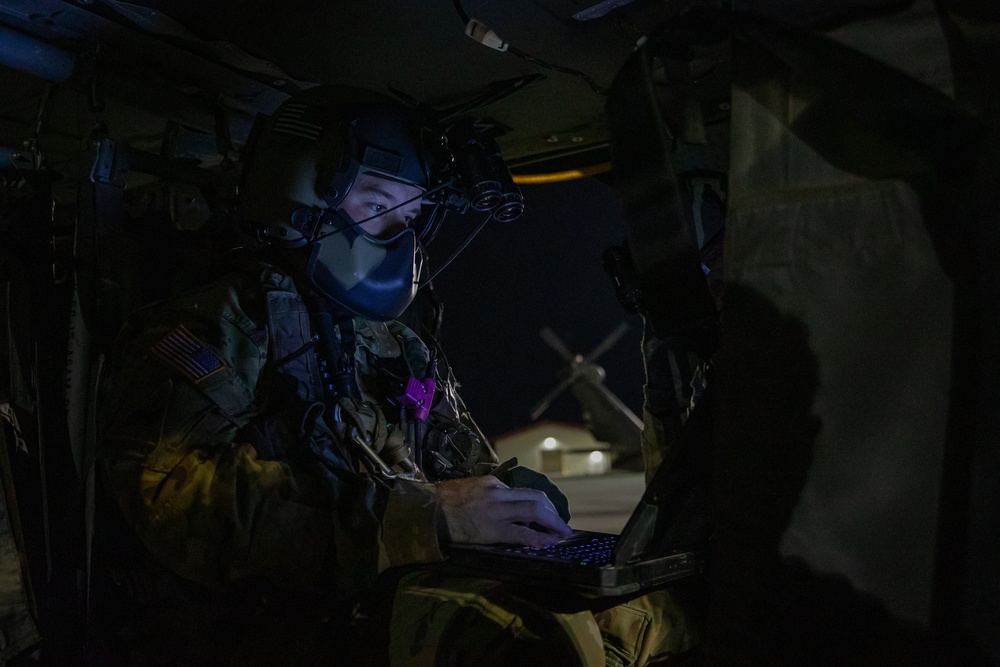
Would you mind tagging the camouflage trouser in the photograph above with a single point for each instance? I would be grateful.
(447, 620)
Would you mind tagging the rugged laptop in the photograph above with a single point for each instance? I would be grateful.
(664, 539)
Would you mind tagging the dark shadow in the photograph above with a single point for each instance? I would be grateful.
(764, 609)
(872, 120)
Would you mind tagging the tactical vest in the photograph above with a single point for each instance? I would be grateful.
(385, 356)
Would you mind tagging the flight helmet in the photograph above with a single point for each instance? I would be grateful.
(304, 161)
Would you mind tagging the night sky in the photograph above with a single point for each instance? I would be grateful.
(513, 279)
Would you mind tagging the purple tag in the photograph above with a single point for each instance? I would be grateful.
(418, 396)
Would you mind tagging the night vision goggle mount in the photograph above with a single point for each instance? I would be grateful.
(468, 172)
(480, 179)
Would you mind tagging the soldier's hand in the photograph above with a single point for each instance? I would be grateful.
(484, 510)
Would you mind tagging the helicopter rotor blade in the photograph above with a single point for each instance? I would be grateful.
(608, 342)
(621, 407)
(550, 337)
(546, 401)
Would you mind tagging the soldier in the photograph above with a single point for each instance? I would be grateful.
(259, 441)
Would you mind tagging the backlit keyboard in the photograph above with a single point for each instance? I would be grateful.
(594, 551)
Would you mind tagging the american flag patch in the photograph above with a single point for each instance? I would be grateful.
(190, 356)
(301, 120)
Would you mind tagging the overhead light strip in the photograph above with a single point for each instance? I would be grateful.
(560, 176)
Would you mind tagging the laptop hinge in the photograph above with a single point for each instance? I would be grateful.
(636, 535)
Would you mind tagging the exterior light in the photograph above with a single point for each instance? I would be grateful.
(549, 443)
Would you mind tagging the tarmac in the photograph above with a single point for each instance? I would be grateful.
(601, 502)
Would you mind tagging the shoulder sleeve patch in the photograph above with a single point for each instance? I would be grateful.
(193, 358)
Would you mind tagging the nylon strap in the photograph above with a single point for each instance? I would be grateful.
(675, 296)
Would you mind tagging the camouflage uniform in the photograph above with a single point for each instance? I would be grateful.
(221, 454)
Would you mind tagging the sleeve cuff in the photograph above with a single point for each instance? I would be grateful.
(411, 524)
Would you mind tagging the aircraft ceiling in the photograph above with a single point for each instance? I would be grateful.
(165, 76)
